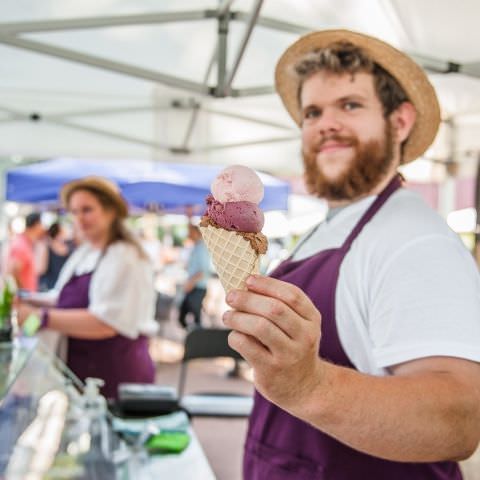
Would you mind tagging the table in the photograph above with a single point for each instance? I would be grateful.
(190, 464)
(187, 465)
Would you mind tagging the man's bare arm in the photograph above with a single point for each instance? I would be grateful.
(427, 410)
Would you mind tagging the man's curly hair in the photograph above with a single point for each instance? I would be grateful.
(346, 58)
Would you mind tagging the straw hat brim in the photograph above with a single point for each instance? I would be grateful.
(408, 74)
(98, 184)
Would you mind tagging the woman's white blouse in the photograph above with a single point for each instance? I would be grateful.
(121, 291)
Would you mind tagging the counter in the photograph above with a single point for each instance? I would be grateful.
(46, 434)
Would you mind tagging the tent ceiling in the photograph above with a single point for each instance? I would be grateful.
(141, 78)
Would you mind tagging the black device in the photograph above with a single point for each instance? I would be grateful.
(144, 399)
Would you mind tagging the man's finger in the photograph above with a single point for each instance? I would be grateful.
(249, 348)
(271, 308)
(265, 331)
(288, 293)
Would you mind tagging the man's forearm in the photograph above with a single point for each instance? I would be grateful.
(427, 417)
(426, 410)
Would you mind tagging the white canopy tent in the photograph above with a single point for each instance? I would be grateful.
(192, 81)
(142, 78)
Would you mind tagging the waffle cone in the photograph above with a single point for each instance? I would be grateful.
(233, 257)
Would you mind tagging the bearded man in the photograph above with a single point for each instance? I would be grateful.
(365, 343)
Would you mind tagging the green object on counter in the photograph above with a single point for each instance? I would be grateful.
(6, 301)
(31, 325)
(168, 441)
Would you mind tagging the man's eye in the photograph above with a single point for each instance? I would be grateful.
(312, 113)
(351, 105)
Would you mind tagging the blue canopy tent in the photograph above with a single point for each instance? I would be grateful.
(170, 186)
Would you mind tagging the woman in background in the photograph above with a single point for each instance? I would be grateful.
(105, 304)
(54, 255)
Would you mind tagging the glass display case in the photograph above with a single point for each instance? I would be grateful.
(54, 428)
(46, 429)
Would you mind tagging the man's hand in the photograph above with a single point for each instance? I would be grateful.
(276, 328)
(427, 410)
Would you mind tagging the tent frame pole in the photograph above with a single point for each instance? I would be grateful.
(211, 148)
(196, 105)
(243, 45)
(222, 47)
(103, 63)
(11, 31)
(37, 26)
(476, 250)
(11, 35)
(248, 118)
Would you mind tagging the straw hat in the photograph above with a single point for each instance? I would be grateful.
(98, 184)
(408, 74)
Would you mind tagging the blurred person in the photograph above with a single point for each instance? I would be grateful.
(76, 237)
(152, 246)
(55, 252)
(195, 286)
(365, 342)
(5, 248)
(21, 260)
(105, 304)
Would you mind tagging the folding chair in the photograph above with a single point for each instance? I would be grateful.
(211, 343)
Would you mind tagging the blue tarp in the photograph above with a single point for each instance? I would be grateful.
(171, 186)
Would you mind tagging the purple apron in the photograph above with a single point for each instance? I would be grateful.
(116, 359)
(280, 446)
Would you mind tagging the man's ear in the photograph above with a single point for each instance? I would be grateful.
(403, 120)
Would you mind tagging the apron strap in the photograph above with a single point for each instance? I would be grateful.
(384, 195)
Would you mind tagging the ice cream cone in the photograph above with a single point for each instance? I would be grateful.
(233, 257)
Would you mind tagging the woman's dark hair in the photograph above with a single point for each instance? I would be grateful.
(54, 230)
(32, 219)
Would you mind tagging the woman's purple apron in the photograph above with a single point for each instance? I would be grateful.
(280, 446)
(116, 359)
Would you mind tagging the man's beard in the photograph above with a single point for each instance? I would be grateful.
(372, 161)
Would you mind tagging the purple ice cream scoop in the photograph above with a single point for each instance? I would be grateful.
(240, 216)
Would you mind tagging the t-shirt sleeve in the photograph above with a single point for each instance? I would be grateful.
(425, 302)
(204, 260)
(17, 254)
(121, 291)
(199, 261)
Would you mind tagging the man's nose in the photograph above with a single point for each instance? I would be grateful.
(328, 122)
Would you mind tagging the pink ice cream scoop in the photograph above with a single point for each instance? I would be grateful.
(242, 216)
(236, 184)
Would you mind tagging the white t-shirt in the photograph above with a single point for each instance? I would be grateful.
(121, 290)
(407, 289)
